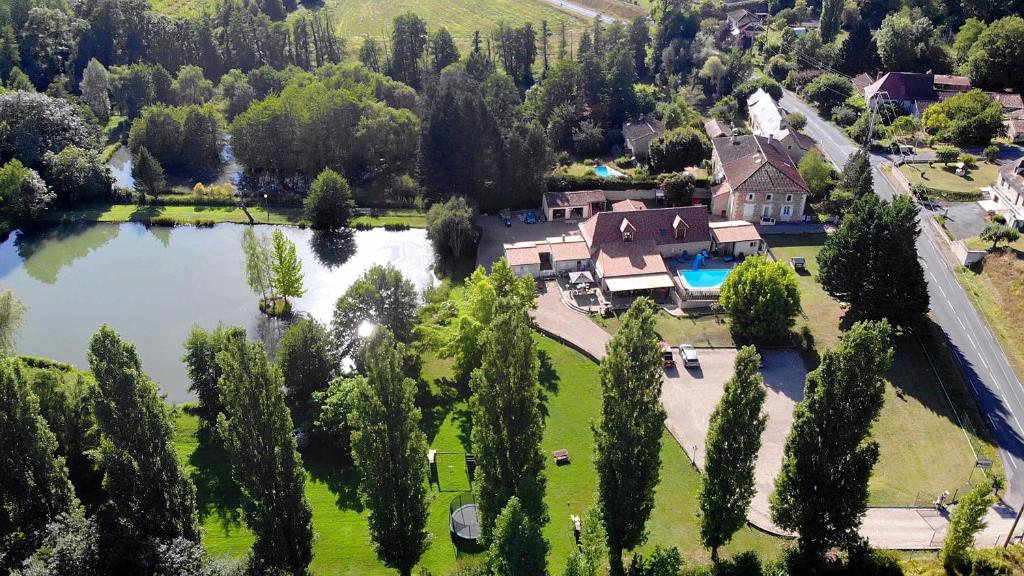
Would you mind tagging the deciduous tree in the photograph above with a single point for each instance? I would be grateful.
(12, 313)
(382, 296)
(286, 266)
(264, 461)
(201, 349)
(678, 149)
(996, 233)
(517, 546)
(451, 226)
(306, 359)
(762, 299)
(24, 195)
(34, 485)
(628, 437)
(734, 438)
(507, 423)
(151, 498)
(818, 173)
(259, 271)
(147, 173)
(390, 451)
(967, 520)
(329, 205)
(993, 60)
(822, 491)
(95, 87)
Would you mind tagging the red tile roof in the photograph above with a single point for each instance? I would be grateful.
(650, 226)
(561, 251)
(522, 256)
(643, 128)
(745, 232)
(767, 169)
(904, 86)
(957, 82)
(1007, 100)
(629, 259)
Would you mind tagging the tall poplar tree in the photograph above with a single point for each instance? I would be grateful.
(264, 460)
(34, 485)
(518, 548)
(629, 435)
(734, 438)
(831, 19)
(822, 491)
(507, 423)
(150, 497)
(390, 451)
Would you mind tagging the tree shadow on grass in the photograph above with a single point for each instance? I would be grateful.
(435, 403)
(463, 418)
(549, 379)
(335, 469)
(217, 494)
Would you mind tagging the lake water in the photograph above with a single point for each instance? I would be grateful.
(153, 284)
(120, 165)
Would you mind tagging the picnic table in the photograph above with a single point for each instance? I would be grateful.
(561, 456)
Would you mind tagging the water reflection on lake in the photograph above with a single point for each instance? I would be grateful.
(153, 284)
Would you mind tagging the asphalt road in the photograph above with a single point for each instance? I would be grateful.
(997, 388)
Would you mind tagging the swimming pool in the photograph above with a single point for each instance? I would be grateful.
(607, 171)
(703, 278)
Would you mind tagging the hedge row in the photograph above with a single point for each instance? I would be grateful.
(954, 195)
(568, 182)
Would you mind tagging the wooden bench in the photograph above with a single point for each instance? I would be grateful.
(561, 456)
(797, 262)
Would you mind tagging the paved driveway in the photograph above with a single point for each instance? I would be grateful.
(691, 394)
(963, 219)
(495, 234)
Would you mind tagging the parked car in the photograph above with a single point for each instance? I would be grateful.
(508, 222)
(531, 217)
(666, 355)
(689, 355)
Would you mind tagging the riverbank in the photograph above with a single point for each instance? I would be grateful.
(120, 213)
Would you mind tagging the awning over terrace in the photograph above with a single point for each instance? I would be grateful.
(645, 282)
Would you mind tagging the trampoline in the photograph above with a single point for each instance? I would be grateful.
(465, 519)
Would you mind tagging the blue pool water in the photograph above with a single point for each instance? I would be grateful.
(703, 278)
(604, 172)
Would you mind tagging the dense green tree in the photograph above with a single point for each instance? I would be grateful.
(967, 520)
(628, 437)
(639, 41)
(831, 19)
(621, 78)
(237, 92)
(49, 42)
(201, 349)
(371, 55)
(78, 175)
(507, 422)
(734, 438)
(286, 266)
(264, 461)
(382, 296)
(451, 226)
(390, 451)
(34, 485)
(70, 547)
(133, 88)
(24, 196)
(150, 497)
(181, 557)
(408, 42)
(443, 51)
(678, 187)
(858, 52)
(857, 177)
(259, 270)
(996, 233)
(678, 149)
(762, 299)
(822, 491)
(828, 91)
(95, 87)
(12, 314)
(182, 139)
(993, 61)
(947, 154)
(906, 43)
(37, 124)
(333, 424)
(818, 173)
(147, 173)
(662, 562)
(191, 87)
(968, 119)
(329, 205)
(871, 261)
(590, 558)
(305, 356)
(966, 36)
(517, 546)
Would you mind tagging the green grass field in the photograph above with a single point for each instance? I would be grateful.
(220, 214)
(571, 401)
(940, 177)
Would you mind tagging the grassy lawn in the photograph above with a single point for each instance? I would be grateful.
(942, 178)
(571, 402)
(996, 288)
(923, 448)
(220, 214)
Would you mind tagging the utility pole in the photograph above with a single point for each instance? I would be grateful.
(1014, 527)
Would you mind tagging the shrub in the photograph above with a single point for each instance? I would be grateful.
(797, 120)
(843, 116)
(204, 223)
(966, 119)
(991, 153)
(947, 154)
(163, 221)
(451, 226)
(329, 204)
(762, 299)
(969, 160)
(678, 149)
(999, 219)
(396, 226)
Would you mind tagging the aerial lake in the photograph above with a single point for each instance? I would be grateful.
(153, 284)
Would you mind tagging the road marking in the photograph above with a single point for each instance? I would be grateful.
(973, 343)
(961, 323)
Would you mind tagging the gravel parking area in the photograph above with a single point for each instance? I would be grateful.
(494, 235)
(691, 394)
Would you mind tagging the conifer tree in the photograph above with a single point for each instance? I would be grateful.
(517, 547)
(629, 435)
(286, 266)
(390, 451)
